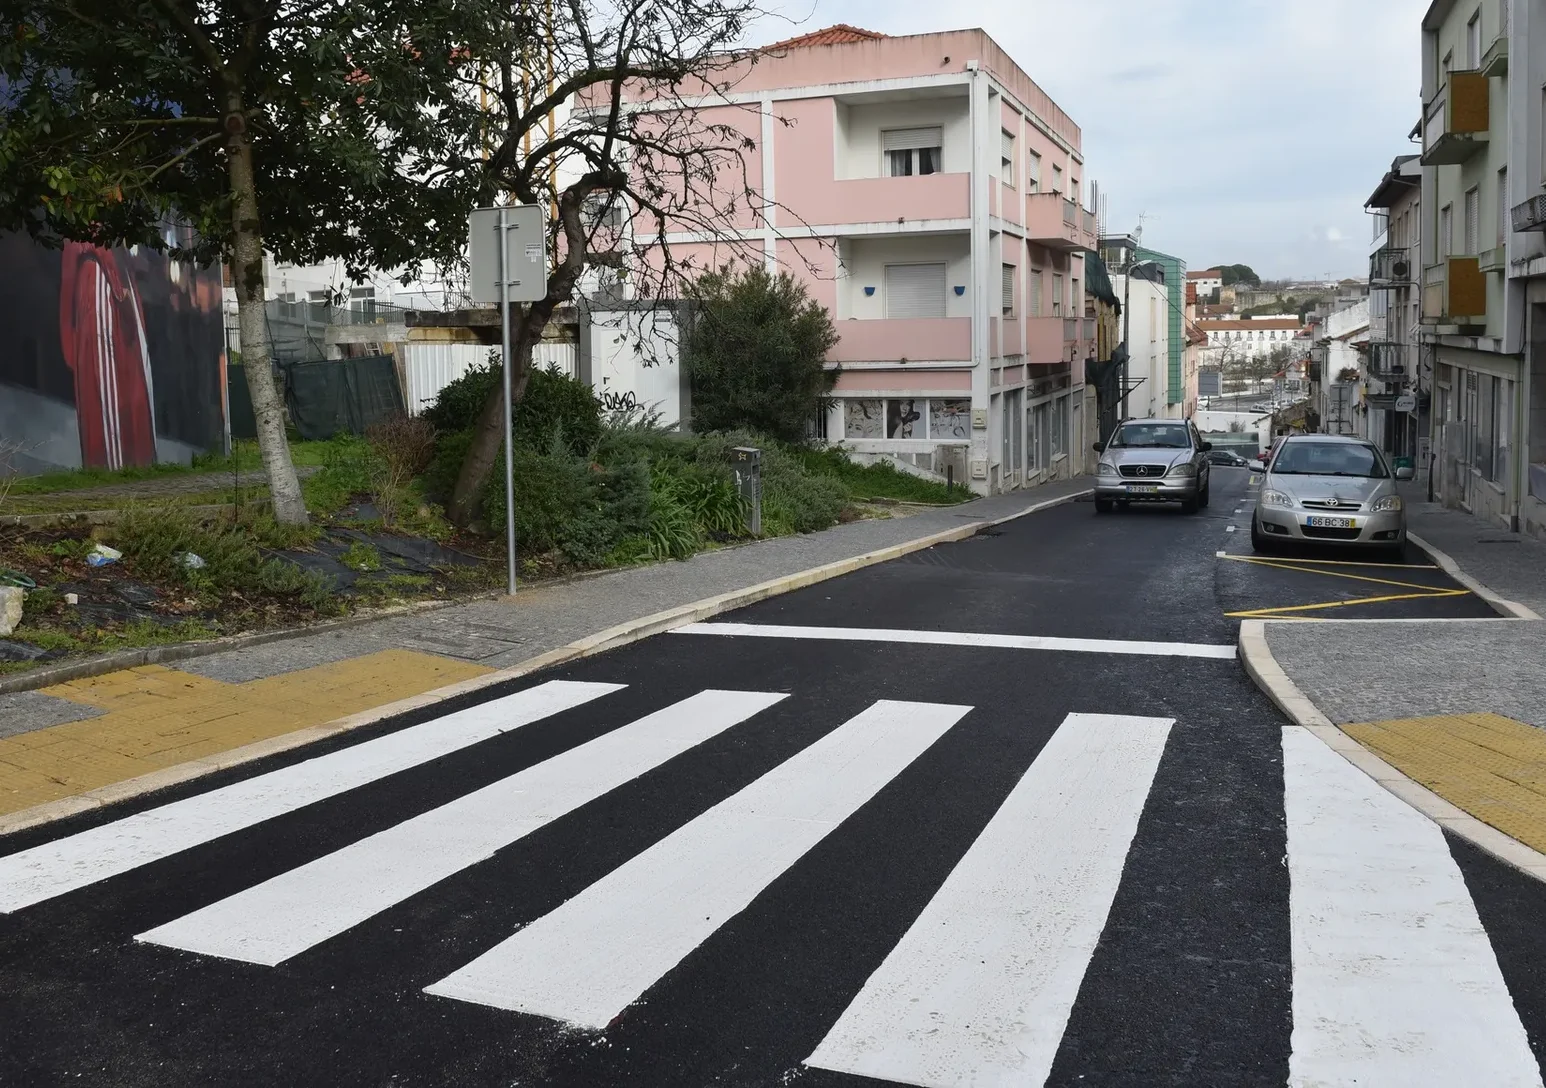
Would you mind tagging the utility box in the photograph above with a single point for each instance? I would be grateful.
(746, 463)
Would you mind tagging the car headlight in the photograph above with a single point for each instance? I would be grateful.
(1106, 468)
(1184, 468)
(1275, 498)
(1389, 504)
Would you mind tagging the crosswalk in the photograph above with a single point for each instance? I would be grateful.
(1394, 978)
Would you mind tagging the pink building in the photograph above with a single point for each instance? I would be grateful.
(930, 192)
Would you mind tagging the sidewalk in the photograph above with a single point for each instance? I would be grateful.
(1457, 706)
(78, 744)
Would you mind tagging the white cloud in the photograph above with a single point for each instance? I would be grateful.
(1242, 130)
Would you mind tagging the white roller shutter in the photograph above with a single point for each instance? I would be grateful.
(1473, 220)
(1035, 288)
(908, 139)
(1007, 291)
(915, 290)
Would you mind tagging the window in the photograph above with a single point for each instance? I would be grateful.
(1057, 178)
(1035, 286)
(1006, 159)
(1502, 207)
(317, 306)
(1473, 220)
(1060, 427)
(1503, 396)
(912, 151)
(362, 303)
(1057, 294)
(1473, 41)
(1446, 237)
(1007, 290)
(1078, 299)
(950, 419)
(1485, 426)
(1033, 174)
(1074, 191)
(915, 290)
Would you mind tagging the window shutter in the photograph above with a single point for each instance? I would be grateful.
(1008, 289)
(909, 139)
(1473, 214)
(1035, 285)
(915, 290)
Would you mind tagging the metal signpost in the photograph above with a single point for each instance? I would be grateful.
(507, 262)
(746, 463)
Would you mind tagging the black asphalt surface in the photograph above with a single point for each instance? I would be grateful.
(1190, 984)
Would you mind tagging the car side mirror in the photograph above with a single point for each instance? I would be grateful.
(1098, 448)
(1206, 446)
(1258, 465)
(1404, 473)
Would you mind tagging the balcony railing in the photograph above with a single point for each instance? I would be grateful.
(1071, 326)
(1455, 293)
(1456, 121)
(1057, 223)
(1089, 221)
(1495, 60)
(1388, 361)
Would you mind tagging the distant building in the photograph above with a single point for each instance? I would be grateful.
(1208, 283)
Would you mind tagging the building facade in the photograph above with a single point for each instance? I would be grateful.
(1207, 282)
(1147, 324)
(1397, 376)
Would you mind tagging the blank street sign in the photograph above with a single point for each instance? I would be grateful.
(526, 250)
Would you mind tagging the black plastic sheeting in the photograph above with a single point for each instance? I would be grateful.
(399, 555)
(329, 396)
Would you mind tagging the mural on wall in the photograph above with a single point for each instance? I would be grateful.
(108, 358)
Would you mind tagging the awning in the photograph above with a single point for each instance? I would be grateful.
(1097, 281)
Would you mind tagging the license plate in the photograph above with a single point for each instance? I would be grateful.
(1331, 523)
(1142, 489)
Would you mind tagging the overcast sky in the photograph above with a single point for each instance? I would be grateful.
(1247, 131)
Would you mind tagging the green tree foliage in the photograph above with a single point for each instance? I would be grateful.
(299, 128)
(554, 405)
(755, 352)
(1238, 273)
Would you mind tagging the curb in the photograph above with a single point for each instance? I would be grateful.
(609, 639)
(1450, 567)
(1268, 675)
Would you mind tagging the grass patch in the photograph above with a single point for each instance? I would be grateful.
(880, 481)
(245, 457)
(361, 557)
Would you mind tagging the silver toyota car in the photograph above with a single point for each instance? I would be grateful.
(1328, 489)
(1153, 460)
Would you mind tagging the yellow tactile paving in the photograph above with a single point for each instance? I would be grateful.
(1491, 766)
(158, 717)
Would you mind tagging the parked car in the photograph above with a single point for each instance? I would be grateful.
(1329, 489)
(1153, 460)
(1228, 458)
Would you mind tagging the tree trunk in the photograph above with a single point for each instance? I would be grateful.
(478, 465)
(247, 272)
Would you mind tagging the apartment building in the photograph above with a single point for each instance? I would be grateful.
(1395, 377)
(1148, 343)
(1480, 148)
(1208, 282)
(930, 195)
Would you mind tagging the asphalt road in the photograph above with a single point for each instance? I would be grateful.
(1005, 811)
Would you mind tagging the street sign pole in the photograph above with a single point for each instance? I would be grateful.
(504, 347)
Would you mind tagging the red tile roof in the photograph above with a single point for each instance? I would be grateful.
(840, 34)
(1206, 274)
(1263, 323)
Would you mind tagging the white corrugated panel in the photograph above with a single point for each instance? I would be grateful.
(915, 290)
(432, 367)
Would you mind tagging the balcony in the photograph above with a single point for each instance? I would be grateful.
(1057, 223)
(1529, 216)
(899, 340)
(1390, 267)
(888, 200)
(1456, 121)
(1495, 60)
(1455, 293)
(1388, 361)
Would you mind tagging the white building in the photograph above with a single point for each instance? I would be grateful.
(1206, 281)
(1148, 337)
(1245, 337)
(1345, 333)
(1394, 366)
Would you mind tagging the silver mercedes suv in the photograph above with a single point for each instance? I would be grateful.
(1153, 460)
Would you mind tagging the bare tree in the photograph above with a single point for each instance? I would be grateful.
(618, 118)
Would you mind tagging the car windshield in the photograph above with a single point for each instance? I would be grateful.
(1165, 436)
(1329, 459)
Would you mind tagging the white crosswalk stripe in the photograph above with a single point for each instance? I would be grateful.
(979, 990)
(1395, 980)
(586, 961)
(76, 861)
(283, 917)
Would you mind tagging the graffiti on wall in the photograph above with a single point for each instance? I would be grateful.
(108, 358)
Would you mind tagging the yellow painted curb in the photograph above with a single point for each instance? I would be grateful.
(611, 638)
(1268, 675)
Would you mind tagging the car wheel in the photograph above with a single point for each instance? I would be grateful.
(1103, 506)
(1259, 541)
(1207, 492)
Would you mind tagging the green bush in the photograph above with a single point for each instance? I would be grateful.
(552, 404)
(879, 481)
(794, 500)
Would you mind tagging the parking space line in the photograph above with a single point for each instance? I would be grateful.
(1289, 565)
(1276, 613)
(1329, 562)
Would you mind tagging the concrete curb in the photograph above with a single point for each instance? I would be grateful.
(1268, 675)
(1504, 607)
(611, 638)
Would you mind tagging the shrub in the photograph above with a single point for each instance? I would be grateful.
(755, 352)
(401, 447)
(552, 403)
(793, 499)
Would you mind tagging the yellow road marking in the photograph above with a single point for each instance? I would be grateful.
(1329, 562)
(1288, 564)
(1491, 766)
(157, 717)
(1263, 613)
